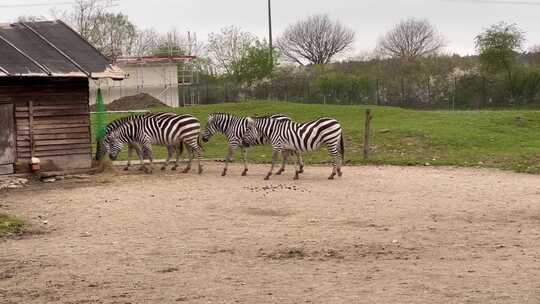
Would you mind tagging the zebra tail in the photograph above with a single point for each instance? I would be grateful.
(200, 143)
(342, 148)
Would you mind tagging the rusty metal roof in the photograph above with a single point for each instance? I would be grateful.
(50, 49)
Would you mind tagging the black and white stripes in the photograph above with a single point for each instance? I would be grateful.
(287, 135)
(234, 128)
(174, 130)
(115, 124)
(164, 129)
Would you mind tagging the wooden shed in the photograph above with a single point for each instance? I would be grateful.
(45, 69)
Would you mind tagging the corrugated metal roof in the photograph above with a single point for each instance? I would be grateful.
(50, 49)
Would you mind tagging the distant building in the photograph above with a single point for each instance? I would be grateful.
(156, 76)
(45, 69)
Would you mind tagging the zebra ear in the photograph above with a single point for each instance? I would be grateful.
(250, 121)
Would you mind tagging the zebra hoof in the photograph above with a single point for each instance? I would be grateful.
(279, 172)
(340, 174)
(296, 177)
(141, 168)
(126, 168)
(267, 177)
(244, 173)
(186, 170)
(174, 168)
(224, 172)
(163, 168)
(200, 171)
(301, 170)
(331, 176)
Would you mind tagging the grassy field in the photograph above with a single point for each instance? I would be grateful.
(498, 139)
(10, 225)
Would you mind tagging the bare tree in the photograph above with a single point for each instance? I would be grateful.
(315, 40)
(117, 35)
(113, 34)
(228, 47)
(84, 15)
(145, 43)
(411, 39)
(31, 18)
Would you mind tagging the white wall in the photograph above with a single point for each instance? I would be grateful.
(159, 80)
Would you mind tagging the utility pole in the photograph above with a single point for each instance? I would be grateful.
(270, 33)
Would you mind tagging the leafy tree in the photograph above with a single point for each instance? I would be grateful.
(228, 47)
(499, 46)
(117, 35)
(255, 65)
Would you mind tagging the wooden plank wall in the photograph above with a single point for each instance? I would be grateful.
(60, 124)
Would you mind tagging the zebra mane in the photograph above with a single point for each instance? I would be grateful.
(223, 114)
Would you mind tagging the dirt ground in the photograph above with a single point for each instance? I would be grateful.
(140, 101)
(377, 235)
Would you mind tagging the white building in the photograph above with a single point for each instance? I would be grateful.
(156, 76)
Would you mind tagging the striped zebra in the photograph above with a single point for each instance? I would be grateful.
(234, 129)
(286, 135)
(163, 129)
(133, 146)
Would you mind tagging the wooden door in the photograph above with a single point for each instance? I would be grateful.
(7, 139)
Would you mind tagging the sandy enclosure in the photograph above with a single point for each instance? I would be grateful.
(377, 235)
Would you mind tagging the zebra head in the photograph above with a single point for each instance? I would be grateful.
(252, 135)
(114, 146)
(103, 147)
(212, 127)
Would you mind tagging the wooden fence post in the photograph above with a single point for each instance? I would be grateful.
(367, 133)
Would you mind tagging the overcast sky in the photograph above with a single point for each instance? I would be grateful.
(458, 21)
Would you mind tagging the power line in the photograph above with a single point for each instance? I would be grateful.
(34, 4)
(113, 3)
(503, 2)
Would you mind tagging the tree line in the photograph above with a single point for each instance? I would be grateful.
(409, 66)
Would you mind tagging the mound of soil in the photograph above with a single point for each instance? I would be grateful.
(140, 101)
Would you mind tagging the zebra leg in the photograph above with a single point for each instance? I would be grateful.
(190, 159)
(130, 153)
(147, 150)
(335, 160)
(170, 150)
(299, 164)
(285, 157)
(195, 150)
(178, 149)
(339, 165)
(228, 159)
(275, 156)
(244, 156)
(131, 146)
(140, 154)
(198, 150)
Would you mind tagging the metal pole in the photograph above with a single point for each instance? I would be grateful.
(270, 34)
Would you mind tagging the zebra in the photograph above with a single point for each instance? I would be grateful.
(234, 128)
(133, 146)
(286, 135)
(165, 129)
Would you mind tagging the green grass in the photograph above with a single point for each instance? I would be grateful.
(497, 139)
(10, 225)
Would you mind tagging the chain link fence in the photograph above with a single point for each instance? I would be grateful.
(467, 92)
